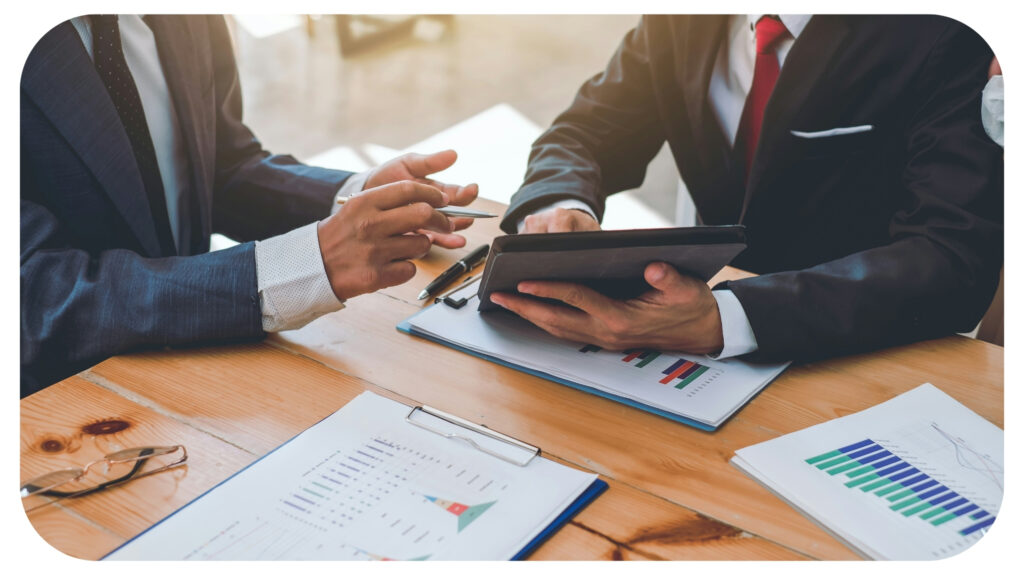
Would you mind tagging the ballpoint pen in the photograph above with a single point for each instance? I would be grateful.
(453, 211)
(475, 258)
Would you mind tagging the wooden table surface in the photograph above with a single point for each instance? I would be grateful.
(673, 493)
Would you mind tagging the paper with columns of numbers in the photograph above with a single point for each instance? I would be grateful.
(364, 484)
(694, 389)
(917, 477)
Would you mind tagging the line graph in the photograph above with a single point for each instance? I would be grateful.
(965, 455)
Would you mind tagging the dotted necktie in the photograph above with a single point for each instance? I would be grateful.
(769, 32)
(108, 57)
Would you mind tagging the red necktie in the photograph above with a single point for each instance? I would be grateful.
(766, 72)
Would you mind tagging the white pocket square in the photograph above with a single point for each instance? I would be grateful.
(833, 132)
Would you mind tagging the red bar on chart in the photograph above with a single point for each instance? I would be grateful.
(678, 371)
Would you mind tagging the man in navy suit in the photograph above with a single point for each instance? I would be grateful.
(851, 148)
(133, 152)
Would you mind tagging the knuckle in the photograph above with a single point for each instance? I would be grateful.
(549, 318)
(404, 271)
(422, 212)
(613, 341)
(421, 243)
(410, 270)
(356, 201)
(574, 296)
(374, 252)
(364, 228)
(371, 277)
(616, 326)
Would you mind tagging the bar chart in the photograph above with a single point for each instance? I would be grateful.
(679, 373)
(917, 477)
(683, 373)
(869, 468)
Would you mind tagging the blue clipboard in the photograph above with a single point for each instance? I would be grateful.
(596, 488)
(406, 327)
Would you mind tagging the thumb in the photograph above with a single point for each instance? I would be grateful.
(422, 165)
(663, 277)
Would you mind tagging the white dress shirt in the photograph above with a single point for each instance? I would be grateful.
(730, 83)
(290, 275)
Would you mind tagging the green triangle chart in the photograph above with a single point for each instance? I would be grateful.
(467, 514)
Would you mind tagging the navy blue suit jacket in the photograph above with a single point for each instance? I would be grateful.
(865, 240)
(94, 281)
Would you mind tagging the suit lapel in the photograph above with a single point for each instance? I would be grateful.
(714, 187)
(806, 64)
(177, 49)
(60, 79)
(704, 35)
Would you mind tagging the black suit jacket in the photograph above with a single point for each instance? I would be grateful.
(864, 240)
(94, 281)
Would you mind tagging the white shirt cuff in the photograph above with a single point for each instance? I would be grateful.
(352, 186)
(293, 286)
(737, 335)
(565, 204)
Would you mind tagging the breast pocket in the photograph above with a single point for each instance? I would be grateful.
(849, 140)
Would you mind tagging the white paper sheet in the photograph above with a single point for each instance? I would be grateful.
(922, 440)
(705, 390)
(363, 484)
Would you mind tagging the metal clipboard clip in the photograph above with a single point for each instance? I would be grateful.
(481, 438)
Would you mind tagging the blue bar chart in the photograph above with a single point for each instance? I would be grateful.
(871, 469)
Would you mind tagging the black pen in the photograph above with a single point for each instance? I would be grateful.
(475, 258)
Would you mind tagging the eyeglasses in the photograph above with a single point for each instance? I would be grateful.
(48, 483)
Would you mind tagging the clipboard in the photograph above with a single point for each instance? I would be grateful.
(434, 421)
(455, 428)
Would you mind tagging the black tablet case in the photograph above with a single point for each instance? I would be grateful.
(612, 262)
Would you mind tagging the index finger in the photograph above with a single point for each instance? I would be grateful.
(403, 193)
(576, 295)
(560, 321)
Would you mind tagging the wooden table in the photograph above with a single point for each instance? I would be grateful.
(673, 493)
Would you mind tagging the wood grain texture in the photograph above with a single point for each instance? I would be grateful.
(70, 534)
(669, 531)
(262, 372)
(673, 495)
(77, 422)
(681, 464)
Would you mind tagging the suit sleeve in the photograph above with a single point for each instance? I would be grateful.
(256, 194)
(938, 272)
(78, 307)
(602, 143)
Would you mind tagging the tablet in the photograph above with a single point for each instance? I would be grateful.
(611, 262)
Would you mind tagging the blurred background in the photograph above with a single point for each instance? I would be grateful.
(353, 91)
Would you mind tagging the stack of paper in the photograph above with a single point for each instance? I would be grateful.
(693, 389)
(917, 477)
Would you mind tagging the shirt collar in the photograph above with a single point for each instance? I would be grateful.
(795, 23)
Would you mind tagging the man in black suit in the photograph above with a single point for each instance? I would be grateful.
(851, 148)
(133, 152)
